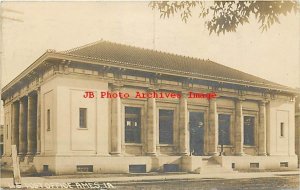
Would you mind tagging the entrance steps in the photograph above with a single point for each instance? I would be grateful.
(210, 166)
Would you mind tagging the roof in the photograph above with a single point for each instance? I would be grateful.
(136, 58)
(121, 53)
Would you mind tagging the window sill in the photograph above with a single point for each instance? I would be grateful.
(133, 144)
(249, 146)
(226, 146)
(166, 145)
(82, 128)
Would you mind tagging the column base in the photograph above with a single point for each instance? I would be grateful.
(184, 153)
(115, 154)
(240, 154)
(151, 154)
(262, 154)
(213, 153)
(29, 154)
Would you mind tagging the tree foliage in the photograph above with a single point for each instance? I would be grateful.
(226, 16)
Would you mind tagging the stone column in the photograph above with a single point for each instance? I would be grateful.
(116, 124)
(23, 126)
(239, 128)
(151, 127)
(262, 131)
(183, 125)
(15, 124)
(213, 127)
(31, 124)
(38, 122)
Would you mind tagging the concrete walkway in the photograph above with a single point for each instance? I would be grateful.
(136, 178)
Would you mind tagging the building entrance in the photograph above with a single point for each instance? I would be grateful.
(196, 125)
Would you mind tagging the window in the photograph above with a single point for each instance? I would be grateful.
(48, 120)
(132, 125)
(282, 129)
(1, 138)
(166, 126)
(45, 168)
(284, 164)
(137, 168)
(254, 165)
(84, 168)
(224, 129)
(82, 118)
(171, 168)
(248, 130)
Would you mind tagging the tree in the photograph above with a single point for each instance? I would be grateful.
(226, 16)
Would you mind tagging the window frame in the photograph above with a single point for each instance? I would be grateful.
(48, 119)
(254, 130)
(86, 118)
(230, 129)
(173, 127)
(140, 123)
(282, 126)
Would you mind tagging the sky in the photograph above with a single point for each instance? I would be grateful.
(273, 55)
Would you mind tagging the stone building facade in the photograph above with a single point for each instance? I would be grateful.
(56, 115)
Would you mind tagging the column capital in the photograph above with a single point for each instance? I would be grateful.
(263, 102)
(152, 88)
(117, 86)
(240, 99)
(184, 93)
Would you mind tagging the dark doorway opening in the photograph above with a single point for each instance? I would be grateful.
(196, 122)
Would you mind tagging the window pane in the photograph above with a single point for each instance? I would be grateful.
(281, 129)
(248, 130)
(132, 125)
(224, 129)
(166, 126)
(48, 120)
(82, 117)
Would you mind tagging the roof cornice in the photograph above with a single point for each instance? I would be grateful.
(126, 65)
(112, 63)
(29, 69)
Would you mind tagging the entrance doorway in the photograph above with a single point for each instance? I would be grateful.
(196, 122)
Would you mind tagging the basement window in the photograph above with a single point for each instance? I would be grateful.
(137, 168)
(45, 168)
(84, 168)
(171, 168)
(254, 165)
(284, 164)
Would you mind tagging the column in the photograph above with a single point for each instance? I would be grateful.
(239, 128)
(183, 125)
(151, 127)
(38, 122)
(213, 127)
(23, 126)
(31, 124)
(262, 131)
(116, 139)
(15, 124)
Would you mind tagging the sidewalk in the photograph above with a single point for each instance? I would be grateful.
(140, 178)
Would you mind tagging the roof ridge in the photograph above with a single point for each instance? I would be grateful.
(83, 46)
(134, 46)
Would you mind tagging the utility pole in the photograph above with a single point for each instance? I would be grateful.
(2, 18)
(16, 169)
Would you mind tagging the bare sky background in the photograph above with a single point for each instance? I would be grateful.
(273, 55)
